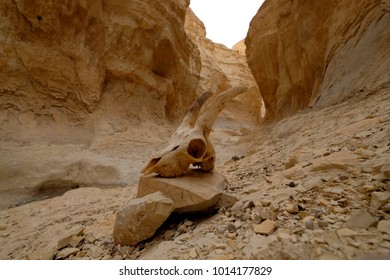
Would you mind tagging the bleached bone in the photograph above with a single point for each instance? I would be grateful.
(190, 144)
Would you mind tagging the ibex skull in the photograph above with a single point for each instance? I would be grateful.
(190, 144)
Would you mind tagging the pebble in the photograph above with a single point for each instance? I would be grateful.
(3, 227)
(378, 199)
(292, 208)
(384, 226)
(274, 206)
(346, 232)
(369, 188)
(193, 253)
(309, 224)
(361, 219)
(266, 227)
(65, 253)
(64, 240)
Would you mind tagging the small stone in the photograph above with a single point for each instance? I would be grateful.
(168, 234)
(274, 206)
(333, 240)
(386, 207)
(64, 240)
(67, 252)
(317, 211)
(378, 199)
(334, 190)
(384, 226)
(292, 208)
(3, 227)
(309, 224)
(361, 219)
(385, 170)
(368, 188)
(311, 183)
(323, 223)
(193, 253)
(75, 240)
(266, 227)
(346, 232)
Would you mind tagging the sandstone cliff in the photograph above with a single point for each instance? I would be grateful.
(222, 68)
(83, 85)
(316, 53)
(69, 69)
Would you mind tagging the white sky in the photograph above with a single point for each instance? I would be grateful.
(226, 21)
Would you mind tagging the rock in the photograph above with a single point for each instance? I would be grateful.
(378, 199)
(309, 224)
(75, 240)
(311, 183)
(281, 33)
(197, 191)
(346, 232)
(67, 252)
(266, 227)
(339, 160)
(193, 253)
(226, 201)
(361, 219)
(43, 253)
(292, 208)
(67, 236)
(333, 240)
(274, 206)
(141, 217)
(369, 188)
(384, 226)
(385, 170)
(3, 227)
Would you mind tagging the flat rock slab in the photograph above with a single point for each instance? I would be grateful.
(141, 217)
(196, 191)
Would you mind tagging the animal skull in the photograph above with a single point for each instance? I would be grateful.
(190, 144)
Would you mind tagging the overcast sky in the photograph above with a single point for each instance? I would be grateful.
(226, 21)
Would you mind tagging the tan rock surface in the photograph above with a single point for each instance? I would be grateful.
(317, 53)
(141, 217)
(197, 191)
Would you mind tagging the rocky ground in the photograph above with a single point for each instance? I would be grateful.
(312, 186)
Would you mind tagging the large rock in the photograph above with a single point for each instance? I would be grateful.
(318, 52)
(141, 217)
(196, 191)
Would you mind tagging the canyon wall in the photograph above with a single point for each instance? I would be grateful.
(316, 53)
(223, 68)
(71, 69)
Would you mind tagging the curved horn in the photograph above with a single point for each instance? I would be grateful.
(192, 113)
(213, 107)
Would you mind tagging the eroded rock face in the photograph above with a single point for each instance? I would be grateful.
(68, 70)
(223, 68)
(318, 52)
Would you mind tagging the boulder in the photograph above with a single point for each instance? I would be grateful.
(141, 217)
(197, 191)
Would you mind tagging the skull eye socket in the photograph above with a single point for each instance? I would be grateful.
(196, 148)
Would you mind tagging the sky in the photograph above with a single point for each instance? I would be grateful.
(226, 21)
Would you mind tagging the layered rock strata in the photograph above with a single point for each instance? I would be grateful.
(70, 69)
(316, 53)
